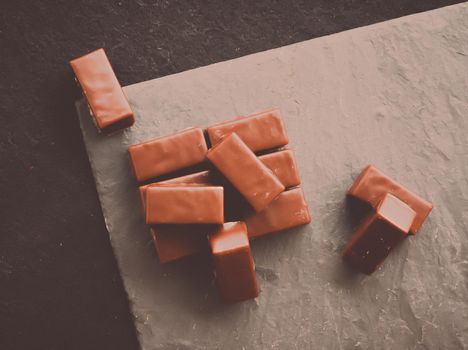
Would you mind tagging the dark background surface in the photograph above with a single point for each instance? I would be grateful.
(59, 283)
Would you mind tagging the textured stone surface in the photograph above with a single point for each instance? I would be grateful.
(392, 94)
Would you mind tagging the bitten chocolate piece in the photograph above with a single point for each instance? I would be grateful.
(378, 234)
(167, 154)
(201, 178)
(283, 165)
(245, 171)
(372, 185)
(233, 262)
(106, 99)
(180, 204)
(288, 210)
(174, 242)
(259, 131)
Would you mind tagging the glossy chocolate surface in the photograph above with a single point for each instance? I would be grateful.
(106, 99)
(378, 234)
(201, 178)
(288, 210)
(174, 242)
(233, 262)
(245, 171)
(260, 131)
(372, 185)
(168, 154)
(283, 165)
(179, 204)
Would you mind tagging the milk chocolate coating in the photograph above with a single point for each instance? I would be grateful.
(245, 172)
(167, 154)
(288, 210)
(378, 234)
(372, 185)
(201, 178)
(259, 131)
(174, 242)
(283, 165)
(233, 262)
(106, 99)
(180, 204)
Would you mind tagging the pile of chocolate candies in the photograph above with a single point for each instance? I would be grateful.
(243, 195)
(240, 197)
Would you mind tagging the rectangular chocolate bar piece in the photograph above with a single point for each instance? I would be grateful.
(283, 165)
(259, 131)
(245, 171)
(168, 154)
(205, 178)
(179, 204)
(378, 234)
(233, 262)
(372, 185)
(106, 99)
(288, 210)
(174, 242)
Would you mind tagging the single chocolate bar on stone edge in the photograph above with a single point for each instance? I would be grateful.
(107, 102)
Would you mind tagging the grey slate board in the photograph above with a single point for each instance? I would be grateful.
(392, 94)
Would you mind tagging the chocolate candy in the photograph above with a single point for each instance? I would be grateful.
(259, 131)
(288, 210)
(174, 242)
(177, 241)
(168, 154)
(371, 186)
(233, 262)
(245, 172)
(206, 177)
(106, 100)
(201, 178)
(283, 165)
(378, 234)
(184, 204)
